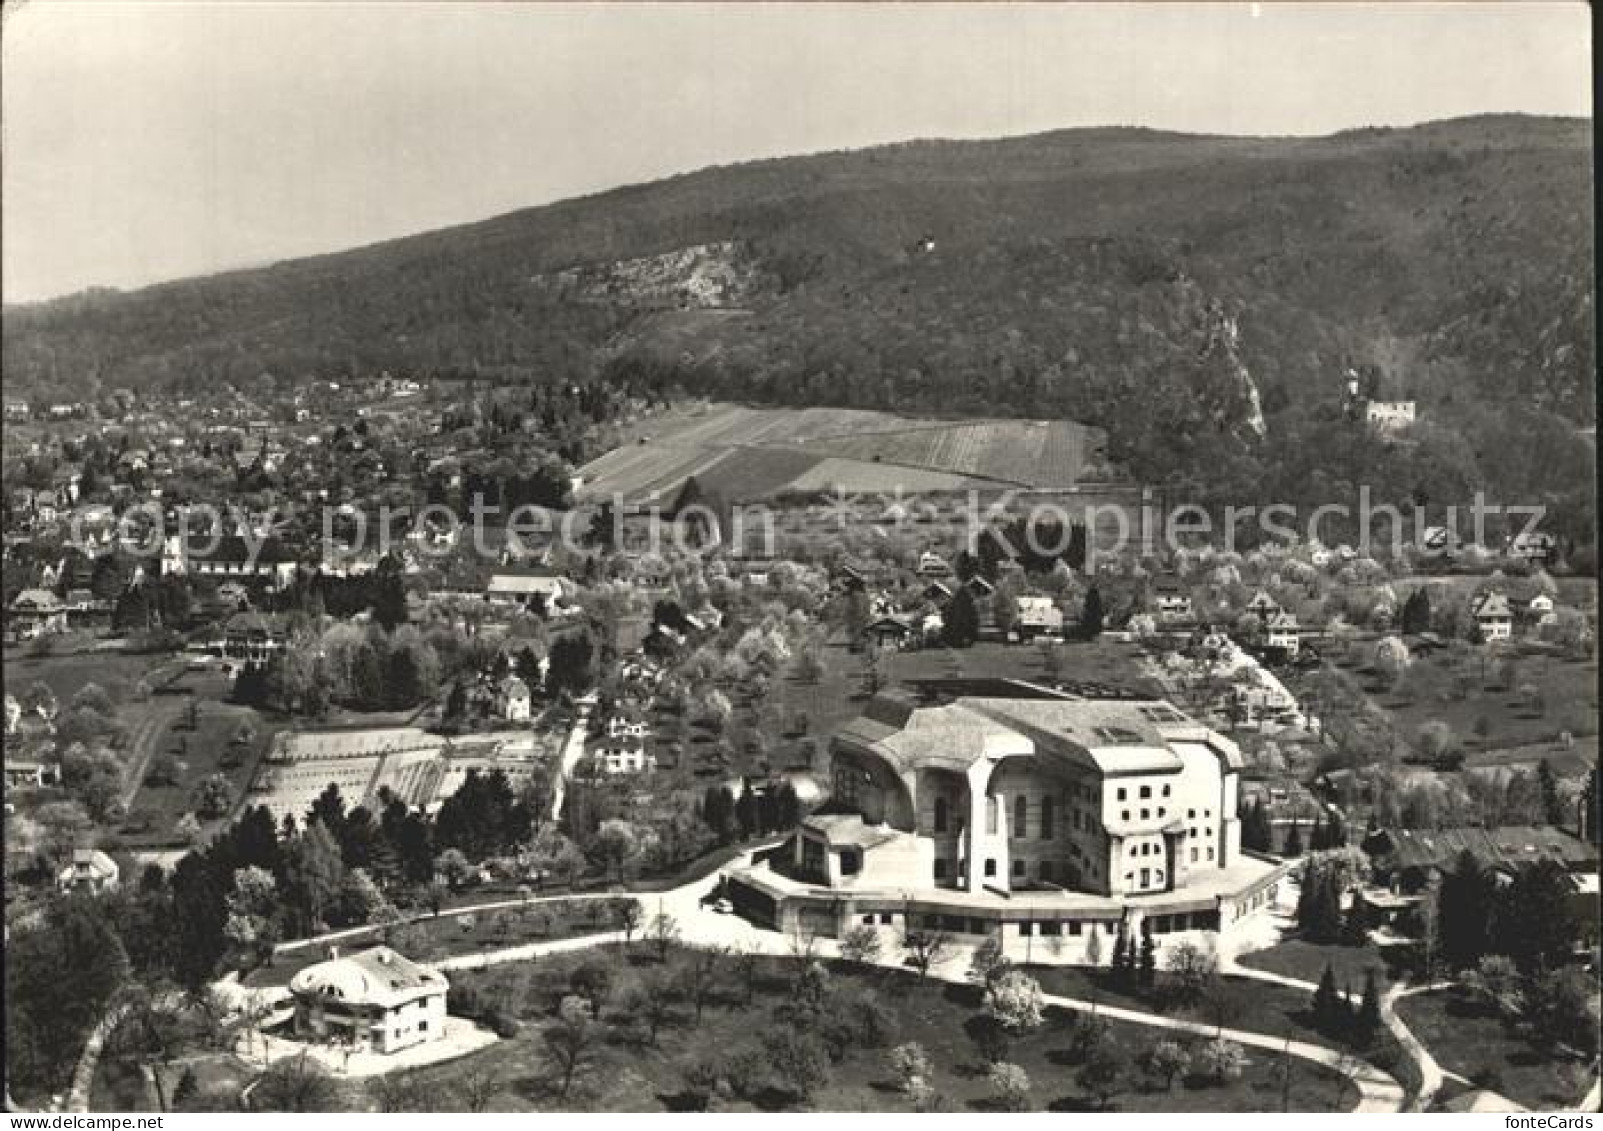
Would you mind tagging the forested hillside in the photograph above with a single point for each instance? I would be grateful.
(1161, 286)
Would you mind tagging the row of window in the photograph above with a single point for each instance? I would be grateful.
(1045, 829)
(944, 869)
(1146, 792)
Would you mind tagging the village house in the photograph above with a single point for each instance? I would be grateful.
(89, 870)
(1390, 416)
(1170, 599)
(528, 587)
(512, 700)
(1407, 862)
(623, 747)
(254, 638)
(1493, 616)
(932, 566)
(1019, 812)
(1541, 609)
(1283, 635)
(892, 631)
(1038, 616)
(37, 612)
(1263, 606)
(377, 1000)
(1536, 547)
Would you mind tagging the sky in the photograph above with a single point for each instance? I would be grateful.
(144, 142)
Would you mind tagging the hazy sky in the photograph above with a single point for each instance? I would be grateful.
(147, 142)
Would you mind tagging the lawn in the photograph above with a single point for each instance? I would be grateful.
(1467, 1041)
(1260, 1007)
(450, 935)
(1485, 702)
(1307, 961)
(215, 743)
(627, 1073)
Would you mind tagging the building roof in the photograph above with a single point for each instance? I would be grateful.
(527, 582)
(1507, 847)
(1110, 736)
(379, 976)
(1492, 605)
(848, 830)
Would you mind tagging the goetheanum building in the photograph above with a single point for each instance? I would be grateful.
(1024, 812)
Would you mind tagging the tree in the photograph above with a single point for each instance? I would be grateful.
(860, 945)
(925, 946)
(699, 975)
(619, 843)
(1329, 1012)
(1416, 617)
(1367, 1022)
(212, 797)
(1013, 1000)
(664, 932)
(296, 1084)
(960, 622)
(910, 1064)
(1100, 1076)
(1011, 1085)
(1293, 843)
(1465, 902)
(988, 962)
(591, 980)
(1534, 924)
(1148, 964)
(629, 914)
(1553, 809)
(1191, 971)
(1091, 614)
(1256, 833)
(651, 1001)
(797, 1062)
(454, 868)
(1497, 985)
(1164, 1061)
(475, 1086)
(568, 1041)
(1220, 1060)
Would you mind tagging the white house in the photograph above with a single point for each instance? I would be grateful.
(1283, 633)
(1039, 616)
(512, 701)
(1493, 615)
(1390, 416)
(89, 869)
(378, 1000)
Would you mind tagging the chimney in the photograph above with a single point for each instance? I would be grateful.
(333, 952)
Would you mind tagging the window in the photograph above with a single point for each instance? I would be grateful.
(868, 920)
(1162, 812)
(990, 868)
(1192, 814)
(851, 862)
(1018, 869)
(1125, 815)
(940, 869)
(1210, 853)
(1047, 818)
(1074, 928)
(886, 918)
(1021, 815)
(940, 814)
(1123, 793)
(990, 815)
(1026, 929)
(1157, 875)
(1193, 855)
(1146, 792)
(1046, 869)
(1166, 791)
(1145, 814)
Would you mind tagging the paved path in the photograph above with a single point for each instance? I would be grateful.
(572, 750)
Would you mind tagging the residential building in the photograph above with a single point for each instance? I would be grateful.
(1171, 599)
(512, 700)
(89, 870)
(1283, 634)
(37, 612)
(377, 1000)
(1390, 416)
(1493, 616)
(1039, 616)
